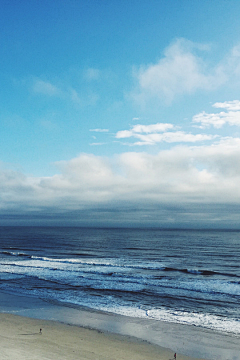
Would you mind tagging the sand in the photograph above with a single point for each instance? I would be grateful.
(20, 339)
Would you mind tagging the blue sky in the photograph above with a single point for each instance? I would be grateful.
(120, 113)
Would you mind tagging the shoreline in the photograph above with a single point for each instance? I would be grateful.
(192, 342)
(20, 338)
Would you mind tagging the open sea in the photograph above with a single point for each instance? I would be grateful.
(180, 276)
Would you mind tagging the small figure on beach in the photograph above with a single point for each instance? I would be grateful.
(40, 332)
(175, 356)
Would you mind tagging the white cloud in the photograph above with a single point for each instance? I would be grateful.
(204, 173)
(155, 133)
(229, 105)
(217, 120)
(180, 71)
(183, 70)
(172, 137)
(154, 128)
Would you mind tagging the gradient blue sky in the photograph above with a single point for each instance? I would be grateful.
(120, 113)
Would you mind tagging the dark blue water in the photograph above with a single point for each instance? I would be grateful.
(181, 276)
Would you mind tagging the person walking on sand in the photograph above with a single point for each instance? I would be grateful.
(40, 332)
(175, 356)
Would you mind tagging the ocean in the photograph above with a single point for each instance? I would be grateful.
(176, 276)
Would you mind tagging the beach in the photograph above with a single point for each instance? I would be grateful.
(73, 333)
(20, 338)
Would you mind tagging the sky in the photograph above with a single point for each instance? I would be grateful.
(120, 113)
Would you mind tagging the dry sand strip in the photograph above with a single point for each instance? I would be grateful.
(20, 339)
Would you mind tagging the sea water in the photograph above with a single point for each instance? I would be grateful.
(176, 276)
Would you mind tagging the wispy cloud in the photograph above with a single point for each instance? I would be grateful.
(97, 144)
(66, 91)
(89, 98)
(92, 74)
(217, 120)
(156, 133)
(100, 130)
(153, 128)
(172, 137)
(45, 88)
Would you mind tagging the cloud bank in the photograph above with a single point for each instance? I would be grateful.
(172, 187)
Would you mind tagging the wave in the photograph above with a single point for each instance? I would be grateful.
(109, 304)
(119, 265)
(12, 248)
(200, 272)
(12, 253)
(203, 320)
(100, 279)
